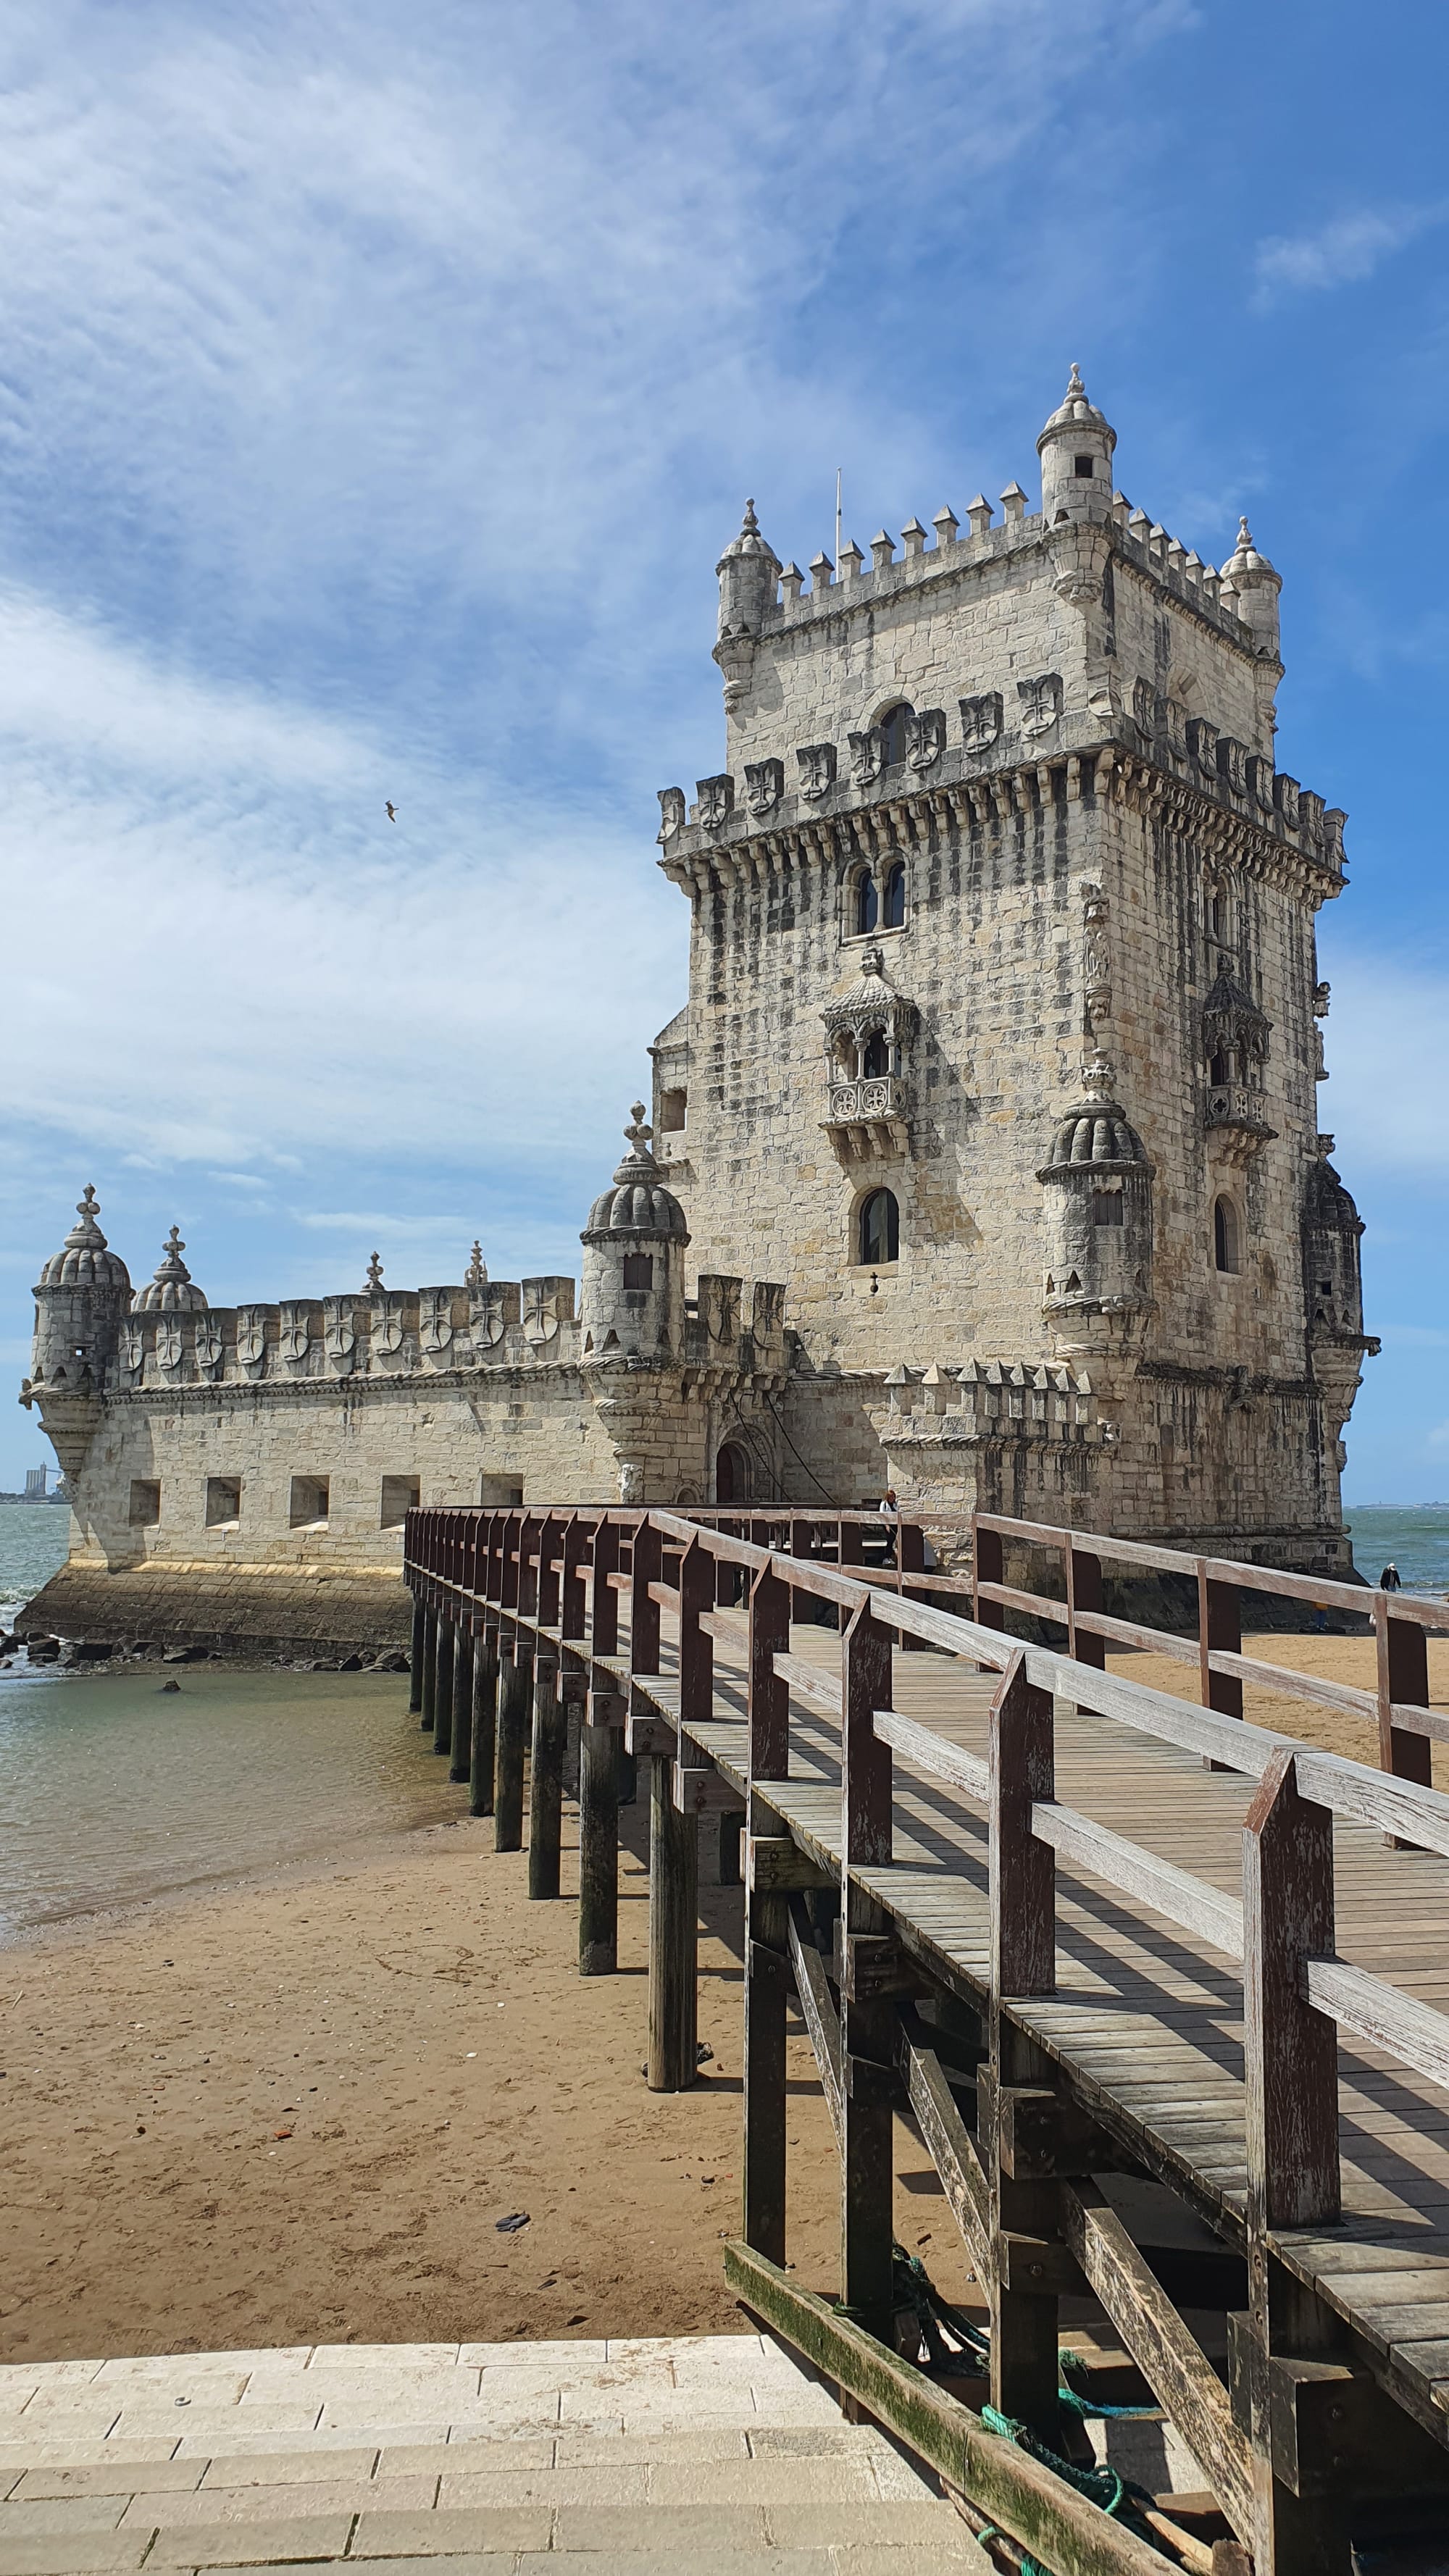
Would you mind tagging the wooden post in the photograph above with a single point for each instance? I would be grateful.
(987, 1561)
(866, 2052)
(1403, 1675)
(443, 1685)
(464, 1652)
(430, 1667)
(767, 1930)
(604, 1600)
(1084, 1592)
(484, 1728)
(572, 1604)
(1290, 2051)
(416, 1655)
(1220, 1632)
(673, 1936)
(910, 1559)
(515, 1677)
(1023, 1962)
(731, 1829)
(545, 1782)
(599, 1842)
(550, 1544)
(696, 1646)
(850, 1551)
(648, 1568)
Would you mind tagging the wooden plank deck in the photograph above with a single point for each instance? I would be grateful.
(1147, 2020)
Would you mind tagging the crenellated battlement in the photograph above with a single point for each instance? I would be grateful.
(364, 1334)
(993, 1400)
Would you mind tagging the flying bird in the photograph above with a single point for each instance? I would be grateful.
(391, 811)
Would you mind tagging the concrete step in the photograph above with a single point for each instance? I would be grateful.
(711, 2453)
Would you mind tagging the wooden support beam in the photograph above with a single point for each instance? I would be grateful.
(1023, 1876)
(648, 1558)
(949, 2144)
(673, 1937)
(599, 1748)
(1037, 2508)
(1290, 2050)
(430, 1668)
(545, 1783)
(1403, 1677)
(644, 1732)
(572, 1604)
(515, 1677)
(776, 1864)
(443, 1686)
(822, 2021)
(766, 1973)
(728, 1860)
(701, 1790)
(604, 1599)
(1175, 2367)
(769, 1697)
(464, 1652)
(483, 1730)
(416, 1655)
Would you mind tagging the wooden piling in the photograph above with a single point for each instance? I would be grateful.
(416, 1654)
(464, 1650)
(484, 1726)
(545, 1782)
(430, 1666)
(515, 1680)
(598, 1848)
(673, 1936)
(443, 1686)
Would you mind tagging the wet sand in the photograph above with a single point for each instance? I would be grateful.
(295, 2112)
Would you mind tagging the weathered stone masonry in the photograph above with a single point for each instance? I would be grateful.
(999, 1063)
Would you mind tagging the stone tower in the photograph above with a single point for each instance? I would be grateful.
(999, 1049)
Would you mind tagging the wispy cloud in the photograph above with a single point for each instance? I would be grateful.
(1385, 1035)
(1340, 252)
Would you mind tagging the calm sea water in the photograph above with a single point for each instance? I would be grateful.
(1414, 1537)
(114, 1791)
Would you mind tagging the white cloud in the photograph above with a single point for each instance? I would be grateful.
(1384, 1037)
(1341, 252)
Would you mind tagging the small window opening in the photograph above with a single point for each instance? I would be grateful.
(1225, 1234)
(880, 1230)
(867, 904)
(877, 1055)
(673, 1112)
(1218, 915)
(145, 1503)
(309, 1502)
(223, 1502)
(500, 1493)
(1325, 1287)
(893, 909)
(893, 726)
(1218, 1068)
(1107, 1207)
(638, 1269)
(1085, 468)
(400, 1495)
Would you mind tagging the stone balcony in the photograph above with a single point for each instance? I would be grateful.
(866, 1117)
(1235, 1122)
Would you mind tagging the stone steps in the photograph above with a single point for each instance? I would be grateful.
(711, 2453)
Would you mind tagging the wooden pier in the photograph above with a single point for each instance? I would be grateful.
(1098, 1942)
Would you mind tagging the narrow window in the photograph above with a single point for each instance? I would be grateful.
(400, 1495)
(880, 1229)
(145, 1503)
(1218, 1068)
(309, 1502)
(223, 1502)
(893, 910)
(1085, 469)
(1107, 1207)
(673, 1112)
(1225, 1234)
(638, 1269)
(866, 904)
(893, 726)
(877, 1055)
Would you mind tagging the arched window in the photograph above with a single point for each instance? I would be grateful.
(893, 907)
(1225, 1234)
(893, 726)
(731, 1474)
(877, 1056)
(867, 903)
(880, 1229)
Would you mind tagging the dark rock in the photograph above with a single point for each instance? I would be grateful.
(350, 1664)
(184, 1655)
(44, 1650)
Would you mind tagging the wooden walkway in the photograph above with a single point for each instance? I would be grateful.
(1131, 2027)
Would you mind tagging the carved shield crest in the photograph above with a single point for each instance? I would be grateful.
(1202, 743)
(251, 1335)
(540, 1310)
(488, 1316)
(208, 1344)
(716, 800)
(339, 1331)
(1041, 703)
(720, 1305)
(816, 763)
(435, 1321)
(1146, 706)
(764, 785)
(1231, 758)
(133, 1347)
(867, 754)
(296, 1330)
(981, 721)
(387, 1326)
(925, 737)
(672, 812)
(1285, 798)
(168, 1341)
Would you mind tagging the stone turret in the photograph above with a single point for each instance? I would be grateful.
(81, 1300)
(1076, 449)
(1257, 586)
(1098, 1184)
(749, 575)
(1333, 1288)
(633, 1289)
(172, 1291)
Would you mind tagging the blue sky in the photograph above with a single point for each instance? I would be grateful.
(377, 387)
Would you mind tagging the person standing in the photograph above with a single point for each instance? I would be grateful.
(1389, 1579)
(890, 1509)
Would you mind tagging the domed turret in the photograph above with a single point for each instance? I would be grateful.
(1333, 1289)
(749, 576)
(1098, 1182)
(1076, 449)
(172, 1291)
(81, 1296)
(1257, 586)
(633, 1288)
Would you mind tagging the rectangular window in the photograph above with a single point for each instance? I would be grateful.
(223, 1502)
(145, 1503)
(400, 1495)
(638, 1269)
(1106, 1207)
(1084, 469)
(309, 1502)
(500, 1493)
(673, 1112)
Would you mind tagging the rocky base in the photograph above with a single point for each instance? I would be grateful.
(247, 1616)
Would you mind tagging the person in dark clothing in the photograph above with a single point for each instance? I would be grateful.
(1389, 1579)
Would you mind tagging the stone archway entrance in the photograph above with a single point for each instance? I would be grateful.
(731, 1474)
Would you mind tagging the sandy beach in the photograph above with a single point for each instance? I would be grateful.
(296, 2111)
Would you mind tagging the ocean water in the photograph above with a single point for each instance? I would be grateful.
(1412, 1536)
(115, 1791)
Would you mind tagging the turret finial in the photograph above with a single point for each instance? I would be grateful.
(88, 1204)
(374, 1272)
(476, 1274)
(1075, 385)
(749, 524)
(639, 1131)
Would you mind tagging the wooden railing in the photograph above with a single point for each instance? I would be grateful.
(543, 1590)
